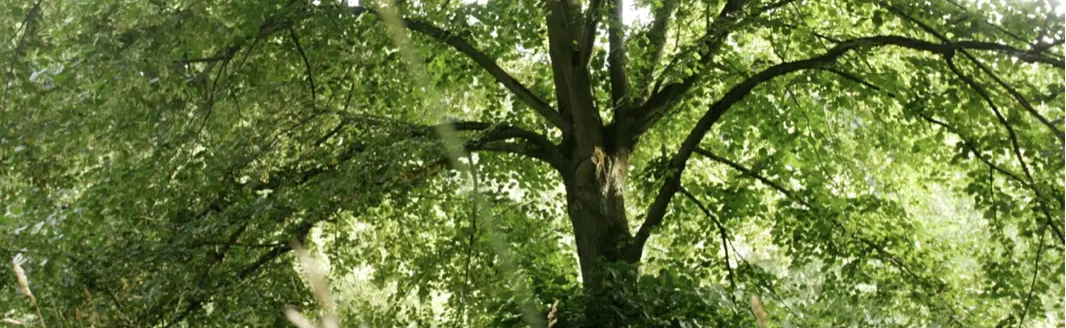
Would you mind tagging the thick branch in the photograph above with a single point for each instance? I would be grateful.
(648, 113)
(493, 134)
(561, 50)
(524, 94)
(573, 88)
(588, 36)
(658, 208)
(616, 58)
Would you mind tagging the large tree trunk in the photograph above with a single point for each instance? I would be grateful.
(596, 206)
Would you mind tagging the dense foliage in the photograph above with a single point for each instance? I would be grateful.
(654, 163)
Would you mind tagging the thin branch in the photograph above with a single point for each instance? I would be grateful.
(524, 94)
(470, 241)
(967, 142)
(986, 22)
(750, 173)
(1017, 97)
(1036, 270)
(775, 5)
(658, 208)
(307, 64)
(922, 25)
(1023, 55)
(722, 234)
(202, 60)
(27, 27)
(588, 32)
(1013, 136)
(791, 195)
(254, 267)
(971, 146)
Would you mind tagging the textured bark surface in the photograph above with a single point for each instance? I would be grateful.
(596, 207)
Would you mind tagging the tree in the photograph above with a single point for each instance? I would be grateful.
(175, 148)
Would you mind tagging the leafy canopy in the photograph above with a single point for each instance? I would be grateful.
(852, 163)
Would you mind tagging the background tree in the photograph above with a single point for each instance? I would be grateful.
(853, 162)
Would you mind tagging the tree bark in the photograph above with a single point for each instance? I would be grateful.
(596, 205)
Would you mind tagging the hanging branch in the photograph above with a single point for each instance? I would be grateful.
(725, 240)
(1036, 269)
